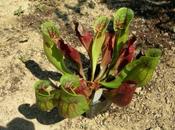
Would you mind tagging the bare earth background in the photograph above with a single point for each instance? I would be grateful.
(153, 107)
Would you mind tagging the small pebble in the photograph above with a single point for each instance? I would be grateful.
(23, 39)
(171, 61)
(166, 34)
(138, 90)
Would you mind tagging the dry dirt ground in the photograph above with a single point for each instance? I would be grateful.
(153, 107)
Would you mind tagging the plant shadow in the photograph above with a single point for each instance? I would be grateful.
(162, 12)
(36, 70)
(61, 15)
(143, 8)
(18, 124)
(164, 24)
(77, 7)
(46, 118)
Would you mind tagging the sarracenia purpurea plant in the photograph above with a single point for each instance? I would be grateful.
(115, 66)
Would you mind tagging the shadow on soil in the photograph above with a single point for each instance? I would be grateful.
(31, 111)
(18, 124)
(144, 8)
(77, 7)
(46, 118)
(162, 11)
(36, 70)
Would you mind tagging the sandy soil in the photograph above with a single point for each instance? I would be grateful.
(153, 107)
